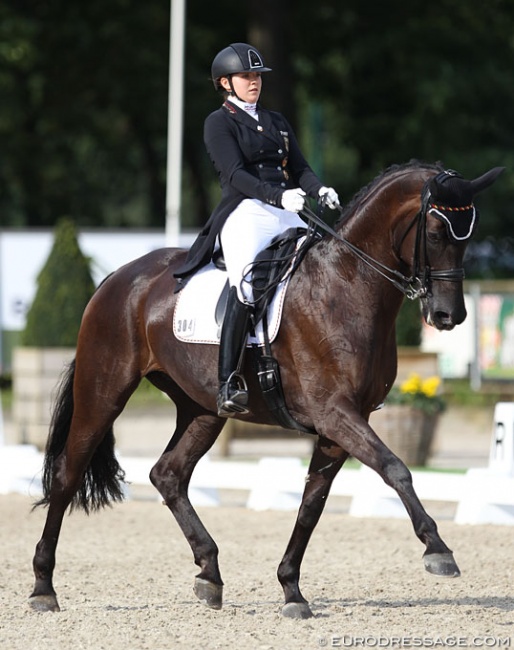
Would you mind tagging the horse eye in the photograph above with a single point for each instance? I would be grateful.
(436, 235)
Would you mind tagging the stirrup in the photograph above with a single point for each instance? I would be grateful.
(233, 396)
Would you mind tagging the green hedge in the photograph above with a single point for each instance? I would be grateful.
(409, 324)
(64, 287)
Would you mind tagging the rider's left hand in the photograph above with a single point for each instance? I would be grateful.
(328, 196)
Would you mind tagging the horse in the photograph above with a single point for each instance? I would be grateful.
(337, 354)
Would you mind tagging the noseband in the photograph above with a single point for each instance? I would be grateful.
(418, 284)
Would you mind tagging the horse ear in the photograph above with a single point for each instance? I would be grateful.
(485, 180)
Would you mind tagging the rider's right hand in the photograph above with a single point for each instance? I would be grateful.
(293, 200)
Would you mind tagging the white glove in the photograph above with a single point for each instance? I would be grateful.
(328, 195)
(293, 200)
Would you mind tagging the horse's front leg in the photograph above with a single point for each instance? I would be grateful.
(362, 443)
(326, 461)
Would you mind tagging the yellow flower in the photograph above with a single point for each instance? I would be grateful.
(418, 393)
(412, 384)
(430, 385)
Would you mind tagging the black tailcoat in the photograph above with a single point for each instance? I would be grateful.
(254, 159)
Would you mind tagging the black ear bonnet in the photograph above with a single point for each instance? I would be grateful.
(451, 200)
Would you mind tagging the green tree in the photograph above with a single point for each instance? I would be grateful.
(83, 111)
(64, 287)
(409, 324)
(427, 81)
(83, 116)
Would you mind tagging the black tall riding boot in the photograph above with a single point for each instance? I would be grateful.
(233, 392)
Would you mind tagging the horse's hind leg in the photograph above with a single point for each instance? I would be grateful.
(80, 465)
(195, 434)
(68, 473)
(327, 460)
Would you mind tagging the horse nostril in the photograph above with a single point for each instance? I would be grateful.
(443, 320)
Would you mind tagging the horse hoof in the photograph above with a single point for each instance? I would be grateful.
(297, 610)
(441, 564)
(46, 603)
(209, 593)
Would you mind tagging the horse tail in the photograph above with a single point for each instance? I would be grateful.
(103, 478)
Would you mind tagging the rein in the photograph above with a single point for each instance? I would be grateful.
(415, 286)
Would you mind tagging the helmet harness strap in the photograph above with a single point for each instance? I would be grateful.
(232, 89)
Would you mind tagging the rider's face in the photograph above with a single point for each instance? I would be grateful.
(247, 86)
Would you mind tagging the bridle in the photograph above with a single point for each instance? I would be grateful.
(416, 285)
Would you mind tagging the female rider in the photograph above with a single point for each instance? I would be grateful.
(264, 179)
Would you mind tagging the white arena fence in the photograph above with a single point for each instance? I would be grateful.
(481, 495)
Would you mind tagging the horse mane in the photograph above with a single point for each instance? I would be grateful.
(413, 164)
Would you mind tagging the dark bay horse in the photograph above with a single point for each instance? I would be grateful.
(337, 354)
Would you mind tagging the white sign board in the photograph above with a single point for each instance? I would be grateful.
(23, 254)
(456, 348)
(501, 455)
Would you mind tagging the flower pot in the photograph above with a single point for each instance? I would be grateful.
(407, 431)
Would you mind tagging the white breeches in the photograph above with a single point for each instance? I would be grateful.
(249, 229)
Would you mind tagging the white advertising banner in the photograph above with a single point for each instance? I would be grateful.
(23, 254)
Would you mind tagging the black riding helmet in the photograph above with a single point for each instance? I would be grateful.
(237, 57)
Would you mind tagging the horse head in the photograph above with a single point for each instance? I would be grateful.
(448, 219)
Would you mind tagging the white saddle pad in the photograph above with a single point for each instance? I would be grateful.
(194, 316)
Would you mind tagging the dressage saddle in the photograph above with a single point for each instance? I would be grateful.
(271, 265)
